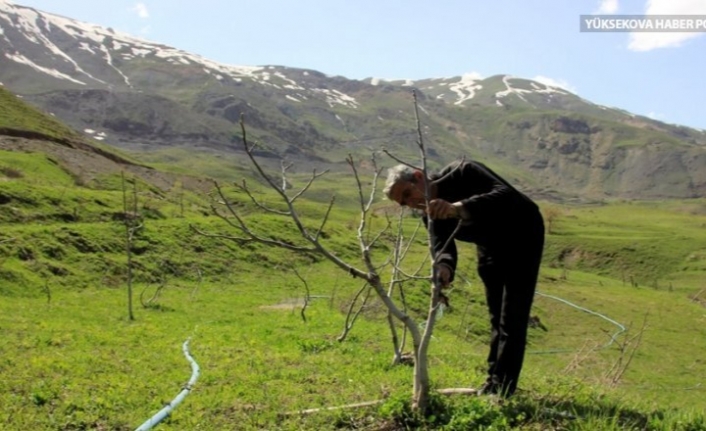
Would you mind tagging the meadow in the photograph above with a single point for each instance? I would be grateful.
(621, 344)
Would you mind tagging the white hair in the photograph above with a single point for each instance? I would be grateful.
(396, 174)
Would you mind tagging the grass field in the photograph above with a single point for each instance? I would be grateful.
(71, 359)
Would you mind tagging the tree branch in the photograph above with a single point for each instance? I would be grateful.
(325, 219)
(257, 203)
(398, 160)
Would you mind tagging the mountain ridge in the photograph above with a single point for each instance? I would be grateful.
(149, 98)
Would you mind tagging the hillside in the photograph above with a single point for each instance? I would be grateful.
(170, 106)
(73, 360)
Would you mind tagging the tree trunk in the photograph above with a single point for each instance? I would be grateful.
(420, 396)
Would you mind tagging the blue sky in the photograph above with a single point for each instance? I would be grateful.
(660, 75)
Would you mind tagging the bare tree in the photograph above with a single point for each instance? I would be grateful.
(551, 215)
(352, 315)
(133, 224)
(47, 292)
(310, 242)
(627, 349)
(307, 293)
(155, 296)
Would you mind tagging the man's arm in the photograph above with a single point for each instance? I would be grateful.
(445, 256)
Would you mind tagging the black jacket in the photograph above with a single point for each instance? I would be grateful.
(497, 217)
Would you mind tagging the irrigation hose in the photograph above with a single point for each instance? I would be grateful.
(195, 370)
(613, 338)
(585, 310)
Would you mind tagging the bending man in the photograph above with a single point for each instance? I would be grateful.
(508, 231)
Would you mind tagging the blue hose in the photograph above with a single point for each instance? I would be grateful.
(157, 418)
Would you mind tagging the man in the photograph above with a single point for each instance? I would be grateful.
(508, 231)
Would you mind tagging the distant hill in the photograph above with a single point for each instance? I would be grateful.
(166, 105)
(25, 128)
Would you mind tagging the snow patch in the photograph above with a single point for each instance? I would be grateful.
(552, 85)
(336, 97)
(509, 90)
(466, 87)
(550, 88)
(293, 99)
(99, 136)
(375, 81)
(30, 24)
(86, 47)
(52, 72)
(140, 52)
(292, 83)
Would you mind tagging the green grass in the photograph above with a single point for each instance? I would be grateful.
(70, 359)
(76, 362)
(656, 244)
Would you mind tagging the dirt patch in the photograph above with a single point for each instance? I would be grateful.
(287, 304)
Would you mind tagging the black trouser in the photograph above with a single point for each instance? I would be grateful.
(510, 278)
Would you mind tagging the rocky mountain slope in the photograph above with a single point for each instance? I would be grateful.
(147, 97)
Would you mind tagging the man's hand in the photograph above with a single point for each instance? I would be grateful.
(440, 209)
(443, 274)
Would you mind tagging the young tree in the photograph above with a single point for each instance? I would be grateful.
(133, 223)
(369, 272)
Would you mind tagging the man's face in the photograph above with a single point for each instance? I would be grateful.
(409, 194)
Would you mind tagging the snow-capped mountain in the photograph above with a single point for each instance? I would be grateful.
(143, 95)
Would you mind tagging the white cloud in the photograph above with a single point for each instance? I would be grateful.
(141, 10)
(472, 76)
(607, 7)
(554, 83)
(650, 41)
